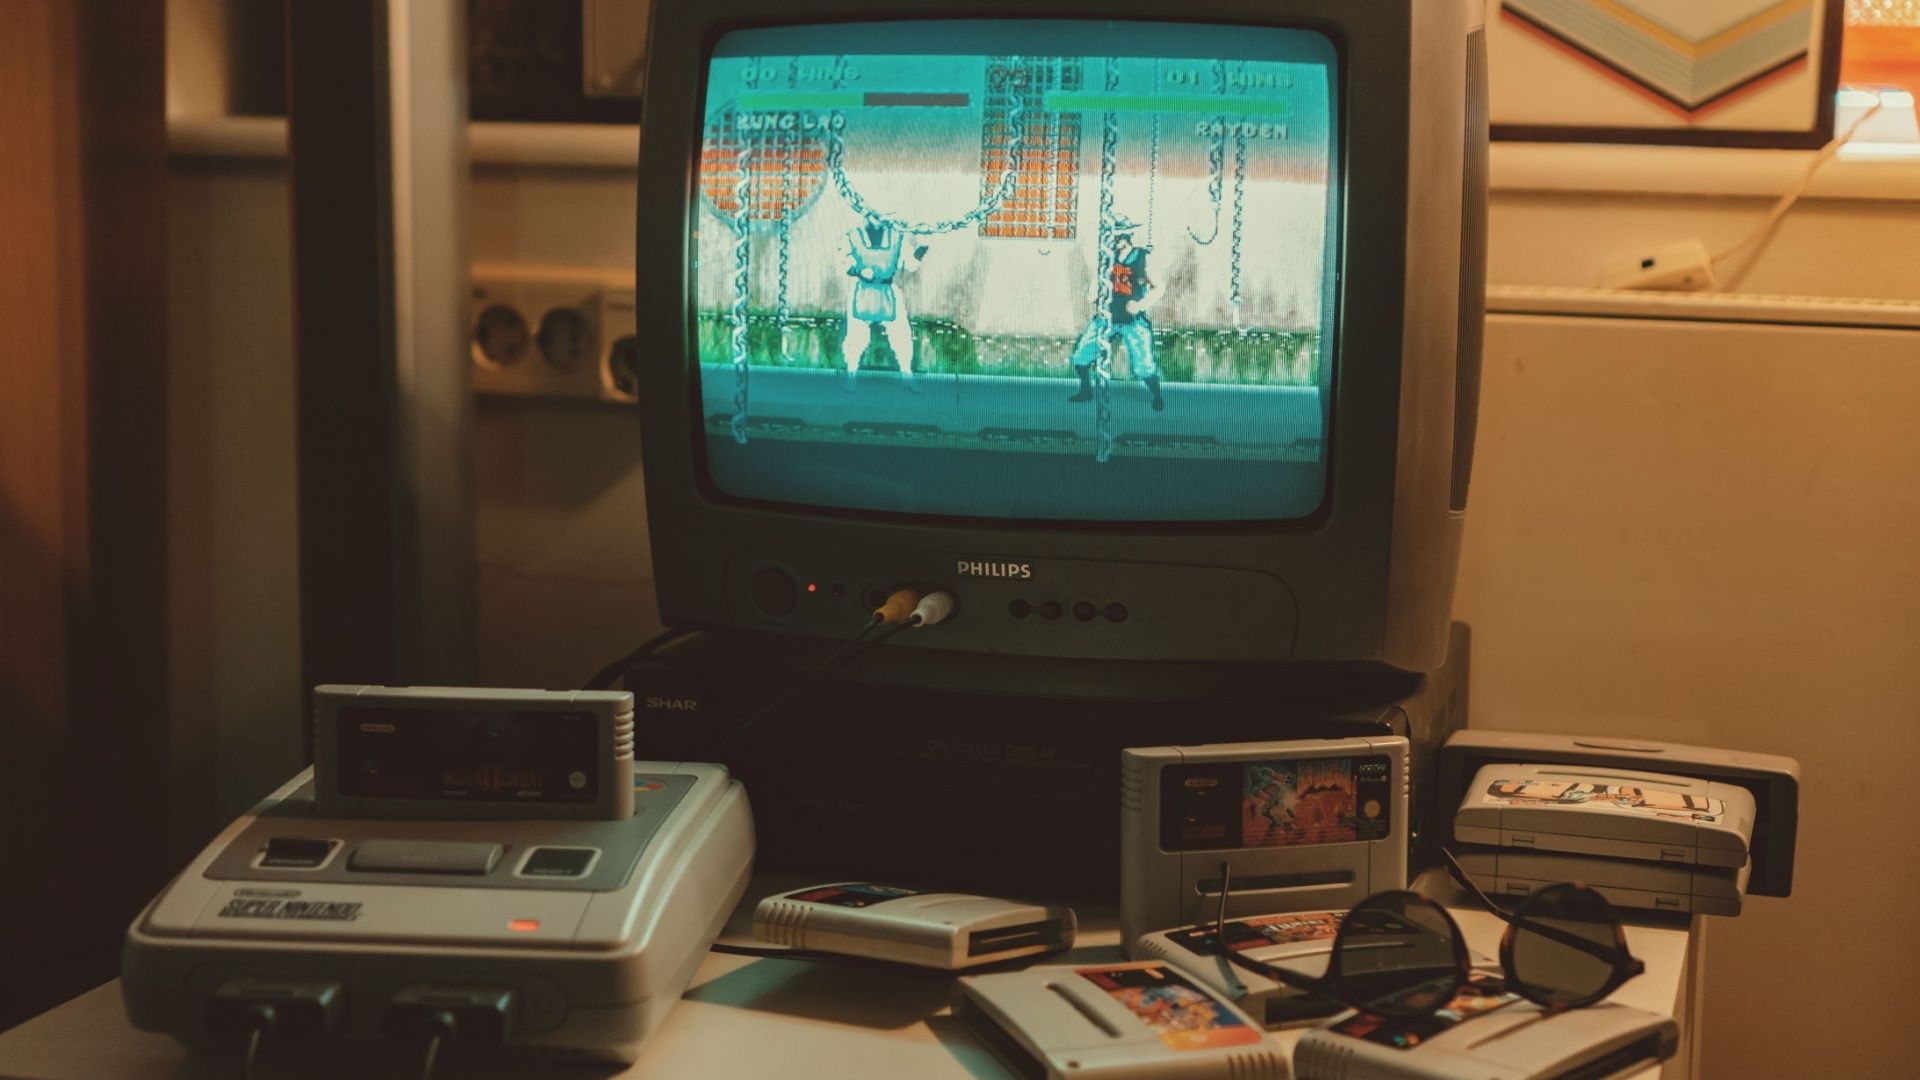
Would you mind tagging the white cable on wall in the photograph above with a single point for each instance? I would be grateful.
(1765, 229)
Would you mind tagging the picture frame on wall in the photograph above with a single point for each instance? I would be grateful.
(1739, 73)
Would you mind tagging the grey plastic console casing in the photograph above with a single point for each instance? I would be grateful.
(1774, 782)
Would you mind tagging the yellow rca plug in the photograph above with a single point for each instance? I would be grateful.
(899, 606)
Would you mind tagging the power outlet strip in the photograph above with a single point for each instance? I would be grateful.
(553, 332)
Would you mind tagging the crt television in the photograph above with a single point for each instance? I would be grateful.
(1150, 331)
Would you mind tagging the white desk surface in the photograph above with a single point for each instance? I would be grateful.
(748, 1017)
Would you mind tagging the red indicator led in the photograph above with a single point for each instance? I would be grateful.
(811, 587)
(524, 926)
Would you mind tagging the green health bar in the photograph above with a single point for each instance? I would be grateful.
(1054, 100)
(1165, 104)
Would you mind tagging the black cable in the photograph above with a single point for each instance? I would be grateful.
(1220, 925)
(852, 647)
(906, 608)
(606, 676)
(261, 1020)
(774, 953)
(433, 1054)
(883, 635)
(844, 652)
(1220, 917)
(446, 1026)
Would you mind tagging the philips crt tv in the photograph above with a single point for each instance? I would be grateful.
(1150, 331)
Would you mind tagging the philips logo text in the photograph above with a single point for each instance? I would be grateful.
(1014, 570)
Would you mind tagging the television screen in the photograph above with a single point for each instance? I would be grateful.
(1018, 269)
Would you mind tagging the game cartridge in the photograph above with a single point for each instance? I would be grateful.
(949, 931)
(1620, 813)
(1291, 825)
(1115, 1022)
(431, 753)
(1300, 941)
(1486, 1035)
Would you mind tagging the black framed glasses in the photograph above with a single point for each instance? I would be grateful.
(1400, 955)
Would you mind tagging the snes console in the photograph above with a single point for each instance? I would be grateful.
(494, 899)
(1314, 824)
(1678, 887)
(1771, 783)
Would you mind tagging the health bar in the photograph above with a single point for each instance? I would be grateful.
(849, 99)
(1200, 104)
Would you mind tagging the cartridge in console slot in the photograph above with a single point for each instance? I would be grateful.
(440, 752)
(1611, 812)
(1284, 826)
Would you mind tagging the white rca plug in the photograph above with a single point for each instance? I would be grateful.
(934, 608)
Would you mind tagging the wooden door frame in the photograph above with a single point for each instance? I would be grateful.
(84, 727)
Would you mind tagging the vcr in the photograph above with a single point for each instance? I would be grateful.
(996, 775)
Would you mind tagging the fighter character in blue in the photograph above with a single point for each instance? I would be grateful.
(877, 256)
(1128, 327)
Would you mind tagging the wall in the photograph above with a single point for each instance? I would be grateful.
(566, 576)
(1852, 248)
(232, 555)
(1708, 534)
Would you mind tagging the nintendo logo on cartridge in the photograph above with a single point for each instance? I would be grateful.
(1014, 571)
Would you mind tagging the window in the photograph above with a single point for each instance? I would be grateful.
(1046, 194)
(1880, 64)
(785, 167)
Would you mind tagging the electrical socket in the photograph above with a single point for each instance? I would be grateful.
(1682, 267)
(557, 332)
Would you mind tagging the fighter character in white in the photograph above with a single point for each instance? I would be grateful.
(877, 256)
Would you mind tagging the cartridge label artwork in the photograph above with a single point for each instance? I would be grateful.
(1257, 933)
(853, 894)
(1184, 1016)
(1620, 798)
(471, 755)
(1280, 803)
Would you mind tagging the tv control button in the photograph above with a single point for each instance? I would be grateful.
(1019, 609)
(424, 857)
(1083, 611)
(1049, 610)
(774, 592)
(1117, 612)
(295, 853)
